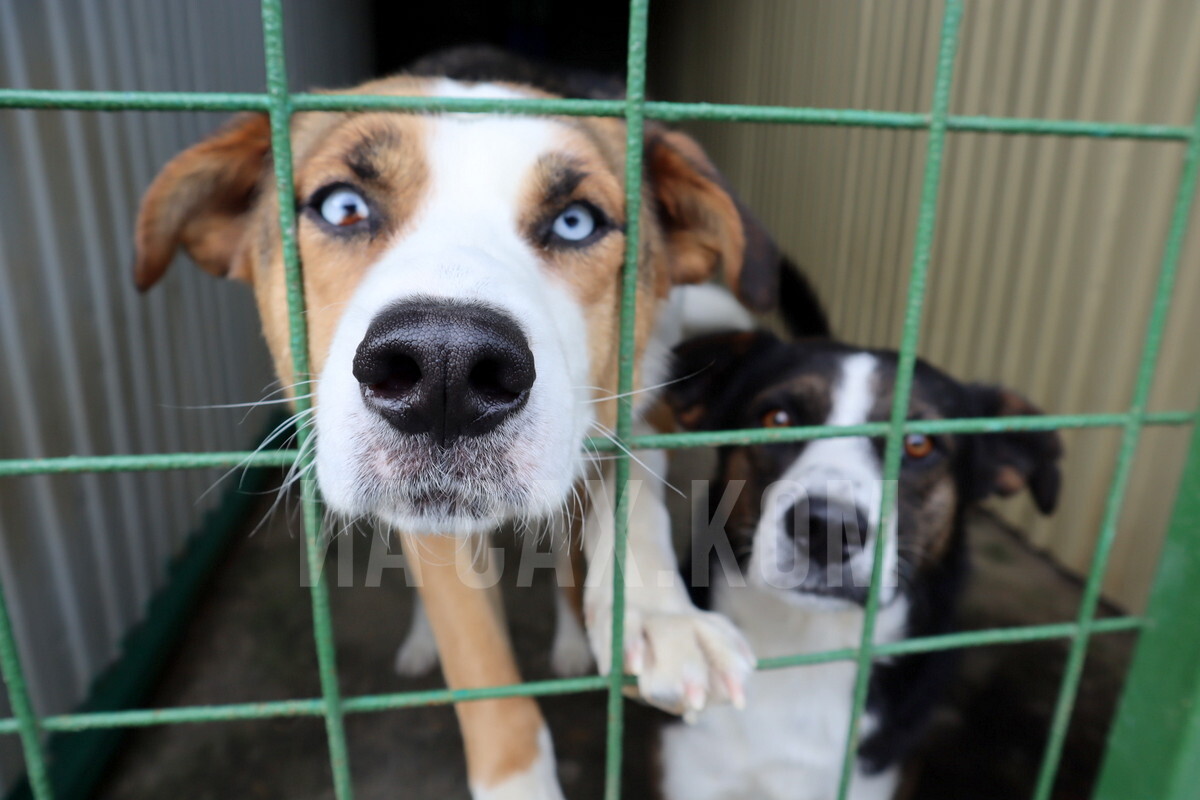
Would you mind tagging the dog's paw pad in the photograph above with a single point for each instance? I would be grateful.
(685, 661)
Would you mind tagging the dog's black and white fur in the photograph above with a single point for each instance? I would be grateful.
(792, 556)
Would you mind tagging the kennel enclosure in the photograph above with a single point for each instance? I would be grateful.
(1157, 732)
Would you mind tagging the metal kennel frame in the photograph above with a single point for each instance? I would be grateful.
(1154, 750)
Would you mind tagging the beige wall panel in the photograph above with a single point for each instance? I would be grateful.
(1046, 249)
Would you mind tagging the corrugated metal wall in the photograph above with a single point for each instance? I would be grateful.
(1046, 249)
(87, 366)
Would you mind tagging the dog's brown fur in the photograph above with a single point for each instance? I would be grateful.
(216, 202)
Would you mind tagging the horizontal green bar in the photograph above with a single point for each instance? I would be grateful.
(675, 441)
(962, 639)
(477, 105)
(132, 101)
(668, 111)
(315, 707)
(282, 458)
(729, 112)
(441, 697)
(238, 101)
(150, 461)
(1067, 127)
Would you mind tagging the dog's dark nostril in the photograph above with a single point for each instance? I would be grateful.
(444, 369)
(827, 531)
(491, 381)
(400, 375)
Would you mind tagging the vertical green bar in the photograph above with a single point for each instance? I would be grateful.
(635, 98)
(926, 221)
(18, 698)
(1168, 271)
(281, 147)
(1154, 748)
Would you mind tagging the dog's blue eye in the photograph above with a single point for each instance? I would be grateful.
(576, 223)
(344, 207)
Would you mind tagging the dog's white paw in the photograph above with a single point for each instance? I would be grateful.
(418, 655)
(539, 781)
(684, 661)
(571, 655)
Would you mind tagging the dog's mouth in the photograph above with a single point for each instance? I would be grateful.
(809, 583)
(838, 596)
(437, 508)
(422, 486)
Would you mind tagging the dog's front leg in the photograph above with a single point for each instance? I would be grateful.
(508, 748)
(684, 658)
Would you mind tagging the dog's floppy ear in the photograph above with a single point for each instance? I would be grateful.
(200, 200)
(703, 375)
(1005, 463)
(758, 283)
(707, 229)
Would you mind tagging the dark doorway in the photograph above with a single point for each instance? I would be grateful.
(588, 34)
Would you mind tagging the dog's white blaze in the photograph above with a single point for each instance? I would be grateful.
(844, 470)
(464, 245)
(446, 87)
(854, 394)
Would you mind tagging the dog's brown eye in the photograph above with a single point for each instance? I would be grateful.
(918, 445)
(776, 418)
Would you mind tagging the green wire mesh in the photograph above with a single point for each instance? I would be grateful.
(635, 94)
(280, 104)
(926, 219)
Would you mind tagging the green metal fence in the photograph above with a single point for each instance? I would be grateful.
(1153, 752)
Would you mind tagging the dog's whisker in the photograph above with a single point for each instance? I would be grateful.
(632, 392)
(266, 399)
(612, 437)
(255, 404)
(327, 307)
(243, 465)
(282, 493)
(250, 410)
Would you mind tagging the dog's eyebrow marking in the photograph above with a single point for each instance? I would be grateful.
(363, 158)
(561, 180)
(559, 177)
(602, 144)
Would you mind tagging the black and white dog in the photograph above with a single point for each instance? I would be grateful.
(794, 529)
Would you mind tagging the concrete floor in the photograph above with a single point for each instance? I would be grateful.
(251, 640)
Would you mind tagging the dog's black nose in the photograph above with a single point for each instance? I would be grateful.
(834, 530)
(444, 369)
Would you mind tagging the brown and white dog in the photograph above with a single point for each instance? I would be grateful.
(462, 280)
